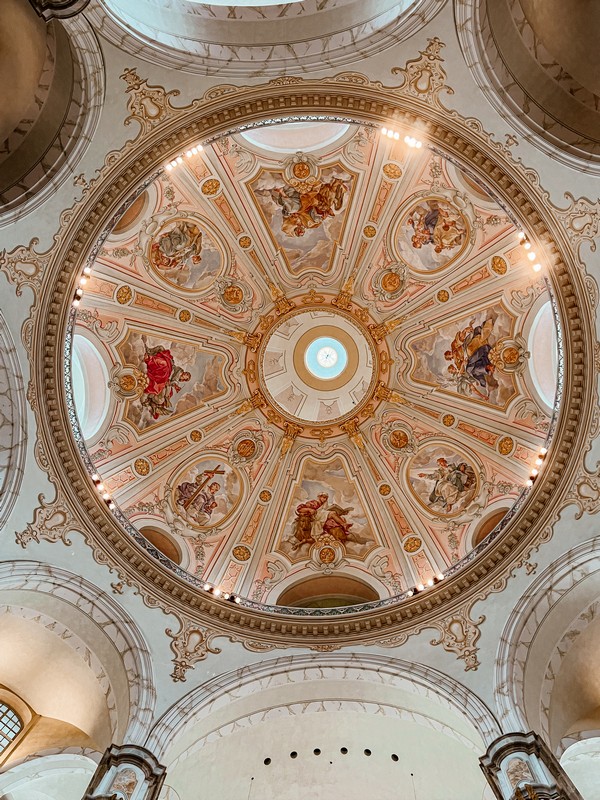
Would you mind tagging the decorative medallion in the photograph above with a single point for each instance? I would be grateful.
(301, 170)
(385, 489)
(444, 481)
(443, 296)
(185, 315)
(391, 282)
(245, 242)
(127, 382)
(369, 231)
(412, 544)
(195, 435)
(124, 295)
(233, 294)
(431, 234)
(206, 493)
(184, 252)
(141, 466)
(448, 420)
(388, 284)
(392, 171)
(246, 448)
(241, 552)
(265, 496)
(499, 265)
(505, 446)
(510, 355)
(327, 555)
(210, 187)
(398, 439)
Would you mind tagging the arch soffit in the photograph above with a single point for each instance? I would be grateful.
(418, 679)
(13, 423)
(111, 621)
(171, 130)
(520, 635)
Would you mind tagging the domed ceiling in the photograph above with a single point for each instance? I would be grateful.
(314, 365)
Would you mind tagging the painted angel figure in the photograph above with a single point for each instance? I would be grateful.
(175, 248)
(472, 353)
(452, 483)
(309, 209)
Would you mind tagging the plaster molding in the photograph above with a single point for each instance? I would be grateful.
(354, 97)
(459, 634)
(190, 644)
(58, 9)
(110, 617)
(542, 595)
(13, 424)
(362, 670)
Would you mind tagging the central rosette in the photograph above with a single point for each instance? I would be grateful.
(317, 366)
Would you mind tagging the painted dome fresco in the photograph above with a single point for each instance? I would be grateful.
(314, 365)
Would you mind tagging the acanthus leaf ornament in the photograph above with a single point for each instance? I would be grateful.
(581, 220)
(24, 266)
(190, 644)
(424, 77)
(51, 523)
(459, 634)
(148, 105)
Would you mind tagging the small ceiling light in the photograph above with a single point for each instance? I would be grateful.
(206, 587)
(76, 302)
(238, 600)
(440, 576)
(543, 451)
(531, 256)
(200, 148)
(396, 136)
(194, 150)
(87, 270)
(390, 134)
(226, 596)
(82, 281)
(527, 245)
(539, 461)
(106, 496)
(179, 160)
(100, 487)
(529, 482)
(112, 506)
(169, 167)
(95, 477)
(430, 582)
(420, 587)
(216, 592)
(188, 154)
(537, 267)
(384, 131)
(418, 144)
(79, 292)
(534, 473)
(521, 235)
(173, 163)
(410, 593)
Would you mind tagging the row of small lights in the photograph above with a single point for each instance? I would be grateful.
(214, 590)
(101, 489)
(422, 586)
(87, 271)
(179, 160)
(409, 140)
(526, 245)
(538, 463)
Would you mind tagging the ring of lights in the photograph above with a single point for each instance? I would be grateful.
(157, 579)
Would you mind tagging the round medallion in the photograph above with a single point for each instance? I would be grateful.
(301, 170)
(499, 265)
(443, 296)
(391, 282)
(246, 448)
(327, 555)
(510, 355)
(241, 552)
(265, 496)
(448, 420)
(233, 294)
(505, 445)
(369, 231)
(124, 295)
(210, 187)
(127, 383)
(412, 544)
(141, 466)
(392, 171)
(244, 242)
(385, 489)
(185, 315)
(196, 435)
(398, 439)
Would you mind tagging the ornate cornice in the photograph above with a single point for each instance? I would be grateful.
(58, 9)
(416, 102)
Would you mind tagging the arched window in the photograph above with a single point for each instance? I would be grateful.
(11, 726)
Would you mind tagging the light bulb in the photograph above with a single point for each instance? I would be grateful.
(521, 235)
(76, 302)
(529, 482)
(216, 592)
(87, 270)
(543, 451)
(106, 496)
(539, 461)
(430, 582)
(100, 487)
(396, 136)
(420, 587)
(531, 256)
(112, 506)
(169, 167)
(173, 163)
(534, 472)
(95, 477)
(238, 600)
(206, 587)
(440, 576)
(188, 154)
(410, 593)
(537, 267)
(527, 245)
(383, 131)
(418, 144)
(179, 160)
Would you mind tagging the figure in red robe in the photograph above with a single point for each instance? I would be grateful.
(163, 376)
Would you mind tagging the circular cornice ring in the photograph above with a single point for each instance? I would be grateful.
(487, 568)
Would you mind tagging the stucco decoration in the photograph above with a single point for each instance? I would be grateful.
(13, 424)
(357, 100)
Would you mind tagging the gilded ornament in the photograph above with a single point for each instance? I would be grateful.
(124, 295)
(233, 294)
(265, 495)
(398, 439)
(241, 552)
(196, 435)
(448, 420)
(369, 231)
(391, 282)
(141, 466)
(510, 355)
(499, 265)
(246, 448)
(385, 489)
(392, 171)
(505, 445)
(210, 187)
(185, 315)
(127, 383)
(327, 555)
(244, 242)
(412, 544)
(443, 296)
(301, 170)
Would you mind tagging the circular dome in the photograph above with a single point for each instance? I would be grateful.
(321, 365)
